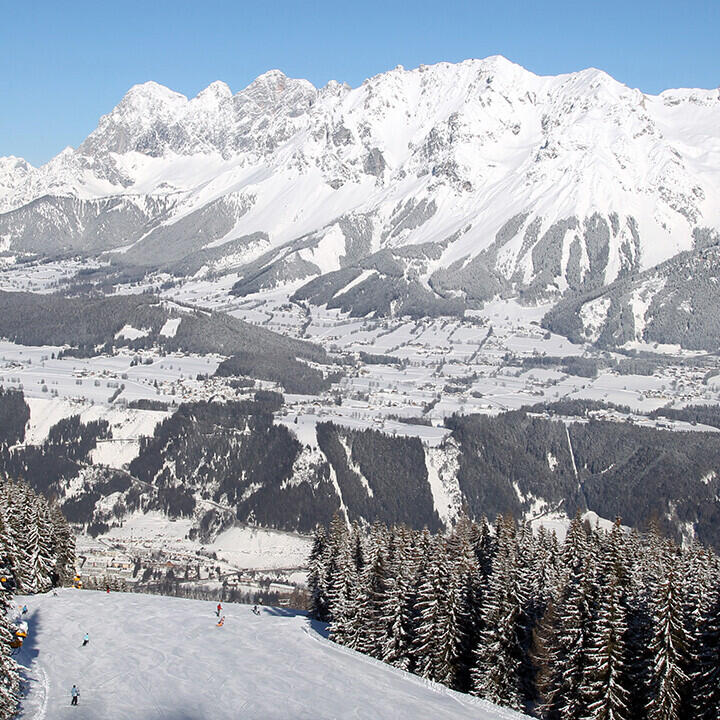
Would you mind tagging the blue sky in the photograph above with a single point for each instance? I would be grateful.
(63, 64)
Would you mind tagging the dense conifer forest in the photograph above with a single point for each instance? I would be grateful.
(37, 553)
(607, 625)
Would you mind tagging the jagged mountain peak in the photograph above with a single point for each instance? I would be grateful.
(218, 91)
(151, 90)
(270, 77)
(549, 182)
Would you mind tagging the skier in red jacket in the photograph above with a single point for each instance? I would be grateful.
(219, 609)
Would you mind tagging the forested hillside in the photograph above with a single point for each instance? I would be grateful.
(223, 462)
(234, 455)
(612, 625)
(92, 324)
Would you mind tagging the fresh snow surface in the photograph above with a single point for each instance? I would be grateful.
(160, 658)
(131, 333)
(169, 329)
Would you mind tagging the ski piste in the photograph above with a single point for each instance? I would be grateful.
(161, 658)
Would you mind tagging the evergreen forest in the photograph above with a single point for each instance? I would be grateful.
(606, 625)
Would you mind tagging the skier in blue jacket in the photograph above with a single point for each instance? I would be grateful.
(75, 694)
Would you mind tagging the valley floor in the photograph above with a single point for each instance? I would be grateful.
(160, 658)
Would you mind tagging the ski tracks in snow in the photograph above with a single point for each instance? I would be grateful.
(466, 701)
(40, 691)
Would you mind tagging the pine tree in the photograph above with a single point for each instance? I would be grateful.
(9, 671)
(433, 644)
(606, 680)
(563, 638)
(605, 693)
(319, 604)
(39, 551)
(373, 603)
(706, 695)
(64, 542)
(464, 600)
(668, 646)
(500, 655)
(397, 644)
(337, 543)
(343, 592)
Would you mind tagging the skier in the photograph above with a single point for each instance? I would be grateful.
(107, 589)
(221, 622)
(86, 640)
(75, 693)
(219, 609)
(24, 609)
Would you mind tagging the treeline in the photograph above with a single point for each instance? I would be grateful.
(294, 376)
(590, 366)
(37, 552)
(615, 469)
(37, 547)
(682, 311)
(86, 323)
(14, 414)
(604, 626)
(703, 414)
(48, 467)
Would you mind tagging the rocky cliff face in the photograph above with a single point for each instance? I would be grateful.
(477, 178)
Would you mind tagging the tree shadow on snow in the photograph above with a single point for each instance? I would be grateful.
(26, 654)
(29, 650)
(321, 628)
(283, 612)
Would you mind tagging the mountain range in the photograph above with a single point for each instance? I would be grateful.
(420, 192)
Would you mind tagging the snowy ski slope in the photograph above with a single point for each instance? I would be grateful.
(157, 658)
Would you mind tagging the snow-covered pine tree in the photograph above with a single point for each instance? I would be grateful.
(605, 689)
(18, 515)
(373, 606)
(484, 544)
(64, 546)
(500, 655)
(464, 599)
(706, 683)
(562, 643)
(343, 592)
(38, 550)
(433, 651)
(9, 675)
(357, 548)
(337, 542)
(669, 644)
(547, 569)
(47, 550)
(397, 644)
(319, 605)
(639, 621)
(8, 552)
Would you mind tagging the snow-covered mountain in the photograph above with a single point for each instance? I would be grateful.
(451, 182)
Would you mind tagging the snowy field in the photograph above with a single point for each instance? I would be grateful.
(156, 658)
(449, 365)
